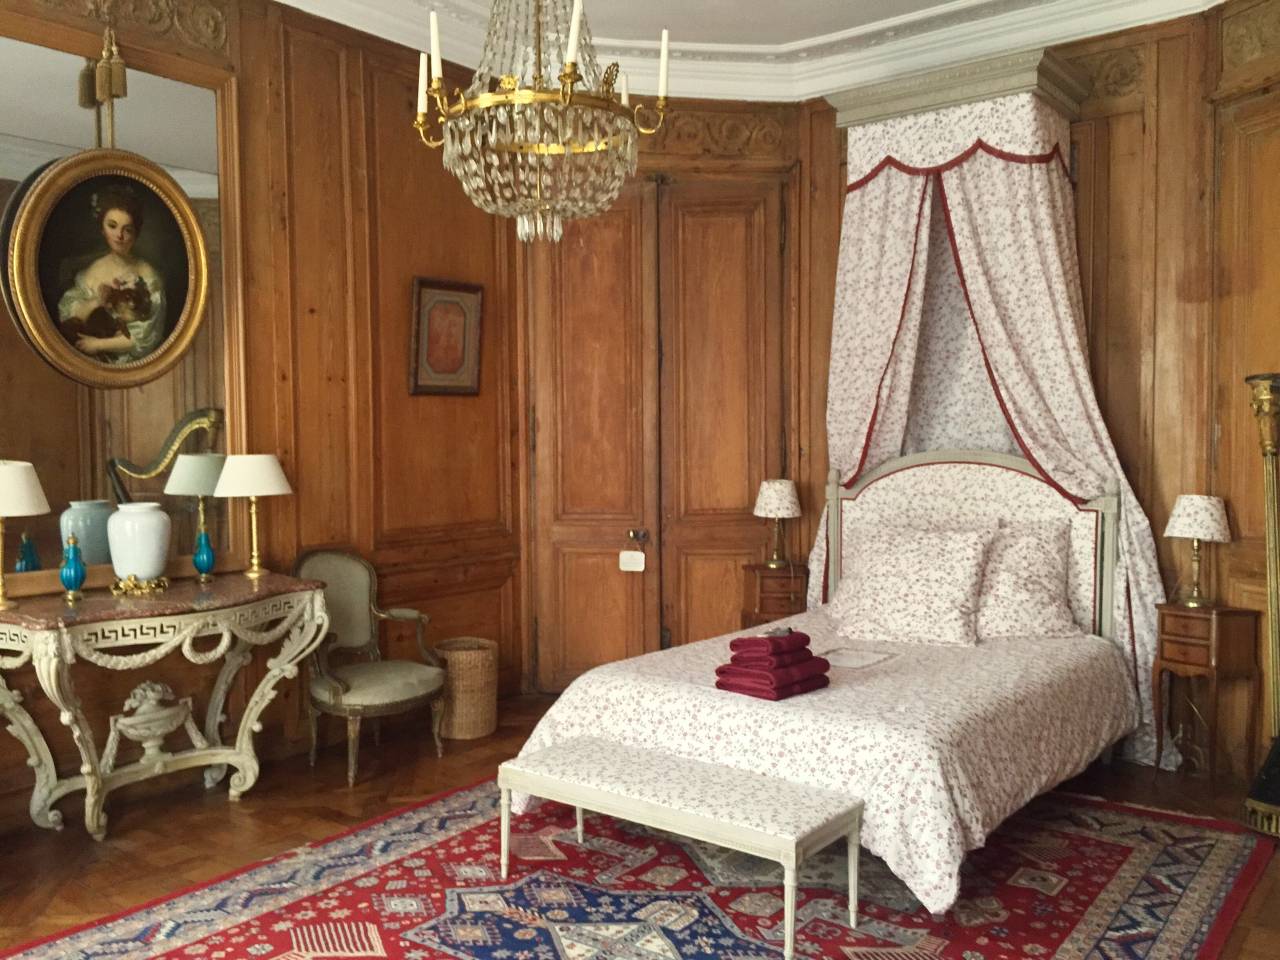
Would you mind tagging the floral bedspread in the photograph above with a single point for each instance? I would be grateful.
(940, 743)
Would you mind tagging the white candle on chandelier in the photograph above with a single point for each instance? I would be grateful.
(626, 94)
(437, 63)
(423, 69)
(662, 67)
(575, 29)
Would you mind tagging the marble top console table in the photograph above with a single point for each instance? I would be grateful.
(220, 621)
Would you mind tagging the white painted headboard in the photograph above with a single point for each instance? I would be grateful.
(956, 489)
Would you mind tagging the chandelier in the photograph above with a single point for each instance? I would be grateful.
(524, 146)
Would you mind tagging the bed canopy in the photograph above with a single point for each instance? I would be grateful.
(959, 323)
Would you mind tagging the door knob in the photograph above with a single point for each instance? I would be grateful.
(639, 535)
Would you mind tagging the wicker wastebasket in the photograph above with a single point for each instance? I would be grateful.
(470, 687)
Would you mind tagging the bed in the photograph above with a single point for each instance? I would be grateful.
(940, 743)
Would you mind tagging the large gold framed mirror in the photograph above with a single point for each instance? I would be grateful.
(92, 444)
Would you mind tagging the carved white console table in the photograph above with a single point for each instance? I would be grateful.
(223, 620)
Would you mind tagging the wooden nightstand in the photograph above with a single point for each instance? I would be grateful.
(1218, 643)
(769, 594)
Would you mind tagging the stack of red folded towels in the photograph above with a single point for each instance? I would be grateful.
(772, 667)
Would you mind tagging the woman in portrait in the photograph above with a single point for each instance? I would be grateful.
(115, 309)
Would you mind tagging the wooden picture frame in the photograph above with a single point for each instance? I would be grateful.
(444, 350)
(107, 267)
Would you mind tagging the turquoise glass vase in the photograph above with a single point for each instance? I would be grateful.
(73, 571)
(28, 558)
(203, 559)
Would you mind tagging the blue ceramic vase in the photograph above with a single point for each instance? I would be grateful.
(203, 559)
(73, 570)
(28, 559)
(87, 520)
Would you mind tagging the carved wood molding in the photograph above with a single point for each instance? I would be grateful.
(708, 133)
(196, 25)
(1114, 73)
(1251, 35)
(1040, 71)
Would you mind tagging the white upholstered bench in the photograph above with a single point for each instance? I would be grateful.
(771, 818)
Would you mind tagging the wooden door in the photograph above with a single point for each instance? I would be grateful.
(1247, 337)
(595, 357)
(721, 391)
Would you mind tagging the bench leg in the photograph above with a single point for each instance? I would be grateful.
(855, 845)
(789, 911)
(505, 805)
(578, 812)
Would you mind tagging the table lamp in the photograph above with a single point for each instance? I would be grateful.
(196, 475)
(1198, 518)
(20, 496)
(252, 475)
(777, 500)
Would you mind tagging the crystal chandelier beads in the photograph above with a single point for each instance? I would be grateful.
(525, 144)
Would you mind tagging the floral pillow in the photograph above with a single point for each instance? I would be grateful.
(913, 586)
(1024, 591)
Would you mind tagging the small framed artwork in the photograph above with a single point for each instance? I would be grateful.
(107, 267)
(445, 352)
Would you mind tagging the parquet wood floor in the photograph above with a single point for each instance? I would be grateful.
(161, 844)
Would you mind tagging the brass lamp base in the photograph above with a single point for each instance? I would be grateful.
(1192, 602)
(777, 561)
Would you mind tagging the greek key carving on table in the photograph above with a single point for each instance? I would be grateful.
(296, 621)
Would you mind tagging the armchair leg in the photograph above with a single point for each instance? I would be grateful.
(377, 732)
(313, 721)
(353, 749)
(437, 717)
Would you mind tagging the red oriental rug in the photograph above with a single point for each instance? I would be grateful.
(1065, 878)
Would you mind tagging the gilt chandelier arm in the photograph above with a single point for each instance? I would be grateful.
(527, 144)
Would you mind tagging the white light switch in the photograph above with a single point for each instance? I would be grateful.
(631, 561)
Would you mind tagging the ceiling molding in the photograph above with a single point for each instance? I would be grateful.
(1038, 71)
(946, 35)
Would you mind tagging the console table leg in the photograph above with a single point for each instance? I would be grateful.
(52, 656)
(215, 715)
(39, 758)
(303, 638)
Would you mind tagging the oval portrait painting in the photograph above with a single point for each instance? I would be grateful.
(107, 268)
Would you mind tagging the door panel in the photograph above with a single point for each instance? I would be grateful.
(594, 331)
(721, 396)
(1248, 336)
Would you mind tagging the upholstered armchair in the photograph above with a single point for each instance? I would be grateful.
(364, 686)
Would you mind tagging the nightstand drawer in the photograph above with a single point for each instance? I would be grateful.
(1177, 651)
(1185, 626)
(782, 603)
(782, 583)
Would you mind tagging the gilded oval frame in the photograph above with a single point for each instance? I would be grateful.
(39, 328)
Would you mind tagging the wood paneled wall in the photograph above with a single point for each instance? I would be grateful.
(1175, 157)
(347, 209)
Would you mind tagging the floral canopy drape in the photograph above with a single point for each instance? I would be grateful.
(959, 324)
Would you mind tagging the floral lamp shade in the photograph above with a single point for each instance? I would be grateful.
(1197, 517)
(20, 492)
(777, 499)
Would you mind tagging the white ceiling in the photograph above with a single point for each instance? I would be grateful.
(783, 49)
(172, 123)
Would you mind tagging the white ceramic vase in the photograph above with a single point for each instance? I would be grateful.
(88, 519)
(139, 535)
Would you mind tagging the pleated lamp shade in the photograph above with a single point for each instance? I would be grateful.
(1197, 517)
(195, 474)
(20, 492)
(777, 499)
(252, 475)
